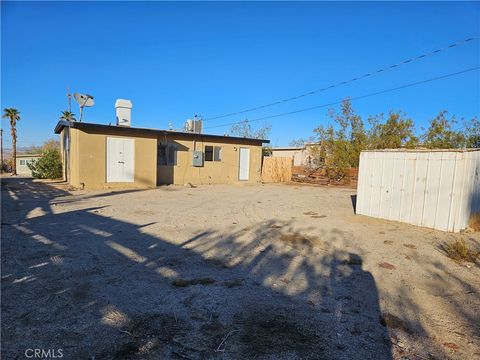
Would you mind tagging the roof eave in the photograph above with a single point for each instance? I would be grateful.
(62, 123)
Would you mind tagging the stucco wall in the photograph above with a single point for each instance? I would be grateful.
(307, 156)
(73, 171)
(297, 155)
(64, 152)
(212, 172)
(88, 160)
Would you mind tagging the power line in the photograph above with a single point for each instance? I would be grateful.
(352, 98)
(415, 58)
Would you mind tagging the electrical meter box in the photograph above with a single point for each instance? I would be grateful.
(197, 158)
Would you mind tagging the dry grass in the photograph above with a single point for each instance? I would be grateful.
(298, 240)
(459, 251)
(474, 222)
(394, 322)
(275, 333)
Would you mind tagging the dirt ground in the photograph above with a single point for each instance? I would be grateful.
(227, 272)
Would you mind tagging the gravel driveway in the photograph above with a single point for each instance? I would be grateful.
(227, 272)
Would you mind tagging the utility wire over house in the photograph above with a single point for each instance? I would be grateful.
(416, 83)
(341, 83)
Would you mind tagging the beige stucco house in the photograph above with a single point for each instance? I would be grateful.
(105, 156)
(302, 156)
(297, 153)
(22, 163)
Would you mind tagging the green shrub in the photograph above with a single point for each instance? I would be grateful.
(339, 145)
(267, 151)
(49, 166)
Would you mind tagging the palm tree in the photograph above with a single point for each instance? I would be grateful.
(68, 116)
(14, 116)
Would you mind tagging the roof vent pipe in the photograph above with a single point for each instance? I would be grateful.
(123, 110)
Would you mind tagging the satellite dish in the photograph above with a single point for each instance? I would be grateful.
(83, 100)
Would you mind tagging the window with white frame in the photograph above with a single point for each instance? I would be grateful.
(213, 153)
(217, 153)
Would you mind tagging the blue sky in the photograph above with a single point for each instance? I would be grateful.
(177, 59)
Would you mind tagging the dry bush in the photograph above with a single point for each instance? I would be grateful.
(458, 250)
(474, 222)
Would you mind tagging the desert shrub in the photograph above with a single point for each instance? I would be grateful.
(472, 133)
(441, 134)
(459, 251)
(6, 166)
(49, 166)
(267, 151)
(338, 145)
(397, 131)
(474, 222)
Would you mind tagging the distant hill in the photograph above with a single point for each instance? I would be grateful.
(7, 152)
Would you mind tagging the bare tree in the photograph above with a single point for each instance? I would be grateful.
(244, 129)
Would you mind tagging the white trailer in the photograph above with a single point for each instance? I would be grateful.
(437, 189)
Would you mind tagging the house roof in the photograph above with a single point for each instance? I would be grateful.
(423, 150)
(28, 155)
(136, 130)
(287, 148)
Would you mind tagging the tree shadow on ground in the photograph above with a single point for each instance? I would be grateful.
(99, 287)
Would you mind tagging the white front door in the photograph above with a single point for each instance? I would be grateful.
(244, 168)
(120, 159)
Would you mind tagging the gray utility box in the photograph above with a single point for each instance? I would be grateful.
(197, 158)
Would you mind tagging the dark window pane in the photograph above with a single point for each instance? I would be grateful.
(161, 154)
(208, 153)
(217, 155)
(166, 154)
(172, 154)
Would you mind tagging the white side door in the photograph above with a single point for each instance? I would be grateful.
(244, 164)
(120, 159)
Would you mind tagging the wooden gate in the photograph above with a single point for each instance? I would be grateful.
(277, 169)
